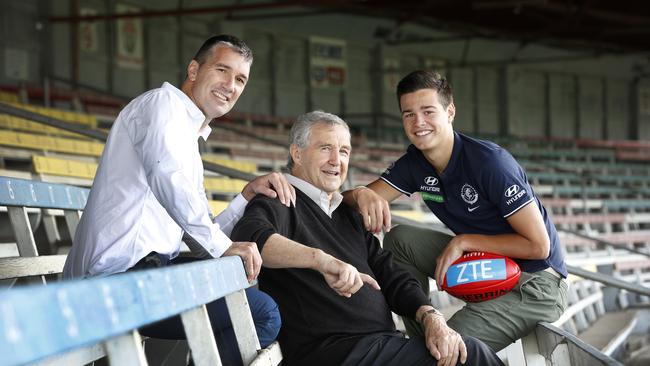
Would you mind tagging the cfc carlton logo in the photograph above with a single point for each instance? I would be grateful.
(468, 194)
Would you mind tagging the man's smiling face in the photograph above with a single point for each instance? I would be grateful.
(324, 161)
(216, 84)
(427, 123)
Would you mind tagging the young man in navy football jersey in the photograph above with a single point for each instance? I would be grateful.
(478, 190)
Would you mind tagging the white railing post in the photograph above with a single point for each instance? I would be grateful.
(126, 349)
(242, 323)
(200, 337)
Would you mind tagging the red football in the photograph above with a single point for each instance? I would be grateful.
(479, 276)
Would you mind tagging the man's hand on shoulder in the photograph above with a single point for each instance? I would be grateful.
(444, 343)
(272, 185)
(249, 254)
(342, 277)
(374, 209)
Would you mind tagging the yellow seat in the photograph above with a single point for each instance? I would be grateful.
(8, 97)
(68, 116)
(244, 166)
(63, 167)
(217, 206)
(50, 143)
(223, 185)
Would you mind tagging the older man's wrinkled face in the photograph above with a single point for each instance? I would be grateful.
(324, 161)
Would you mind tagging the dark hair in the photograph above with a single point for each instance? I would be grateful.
(227, 40)
(426, 79)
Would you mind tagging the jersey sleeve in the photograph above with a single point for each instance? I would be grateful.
(399, 176)
(506, 184)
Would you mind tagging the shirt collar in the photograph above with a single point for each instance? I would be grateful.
(319, 197)
(205, 132)
(196, 115)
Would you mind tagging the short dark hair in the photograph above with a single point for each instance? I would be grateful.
(227, 40)
(426, 79)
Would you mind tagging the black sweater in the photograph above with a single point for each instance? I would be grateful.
(312, 313)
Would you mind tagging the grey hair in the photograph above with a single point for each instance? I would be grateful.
(301, 129)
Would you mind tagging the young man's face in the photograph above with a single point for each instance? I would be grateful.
(426, 122)
(216, 85)
(324, 161)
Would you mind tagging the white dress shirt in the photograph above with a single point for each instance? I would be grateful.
(319, 196)
(148, 189)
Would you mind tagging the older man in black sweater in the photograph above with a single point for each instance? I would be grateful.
(334, 284)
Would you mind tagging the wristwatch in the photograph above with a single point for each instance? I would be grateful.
(433, 311)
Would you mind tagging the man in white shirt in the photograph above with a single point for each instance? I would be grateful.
(148, 190)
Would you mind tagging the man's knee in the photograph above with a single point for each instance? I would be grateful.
(394, 239)
(266, 315)
(479, 353)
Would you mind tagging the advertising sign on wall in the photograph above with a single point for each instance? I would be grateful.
(129, 39)
(328, 62)
(88, 32)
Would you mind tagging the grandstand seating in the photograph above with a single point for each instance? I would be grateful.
(68, 317)
(64, 167)
(68, 116)
(224, 185)
(50, 143)
(8, 97)
(17, 195)
(242, 165)
(593, 187)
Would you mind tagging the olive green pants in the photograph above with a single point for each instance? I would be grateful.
(539, 296)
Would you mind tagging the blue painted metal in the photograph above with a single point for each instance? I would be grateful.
(40, 321)
(28, 193)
